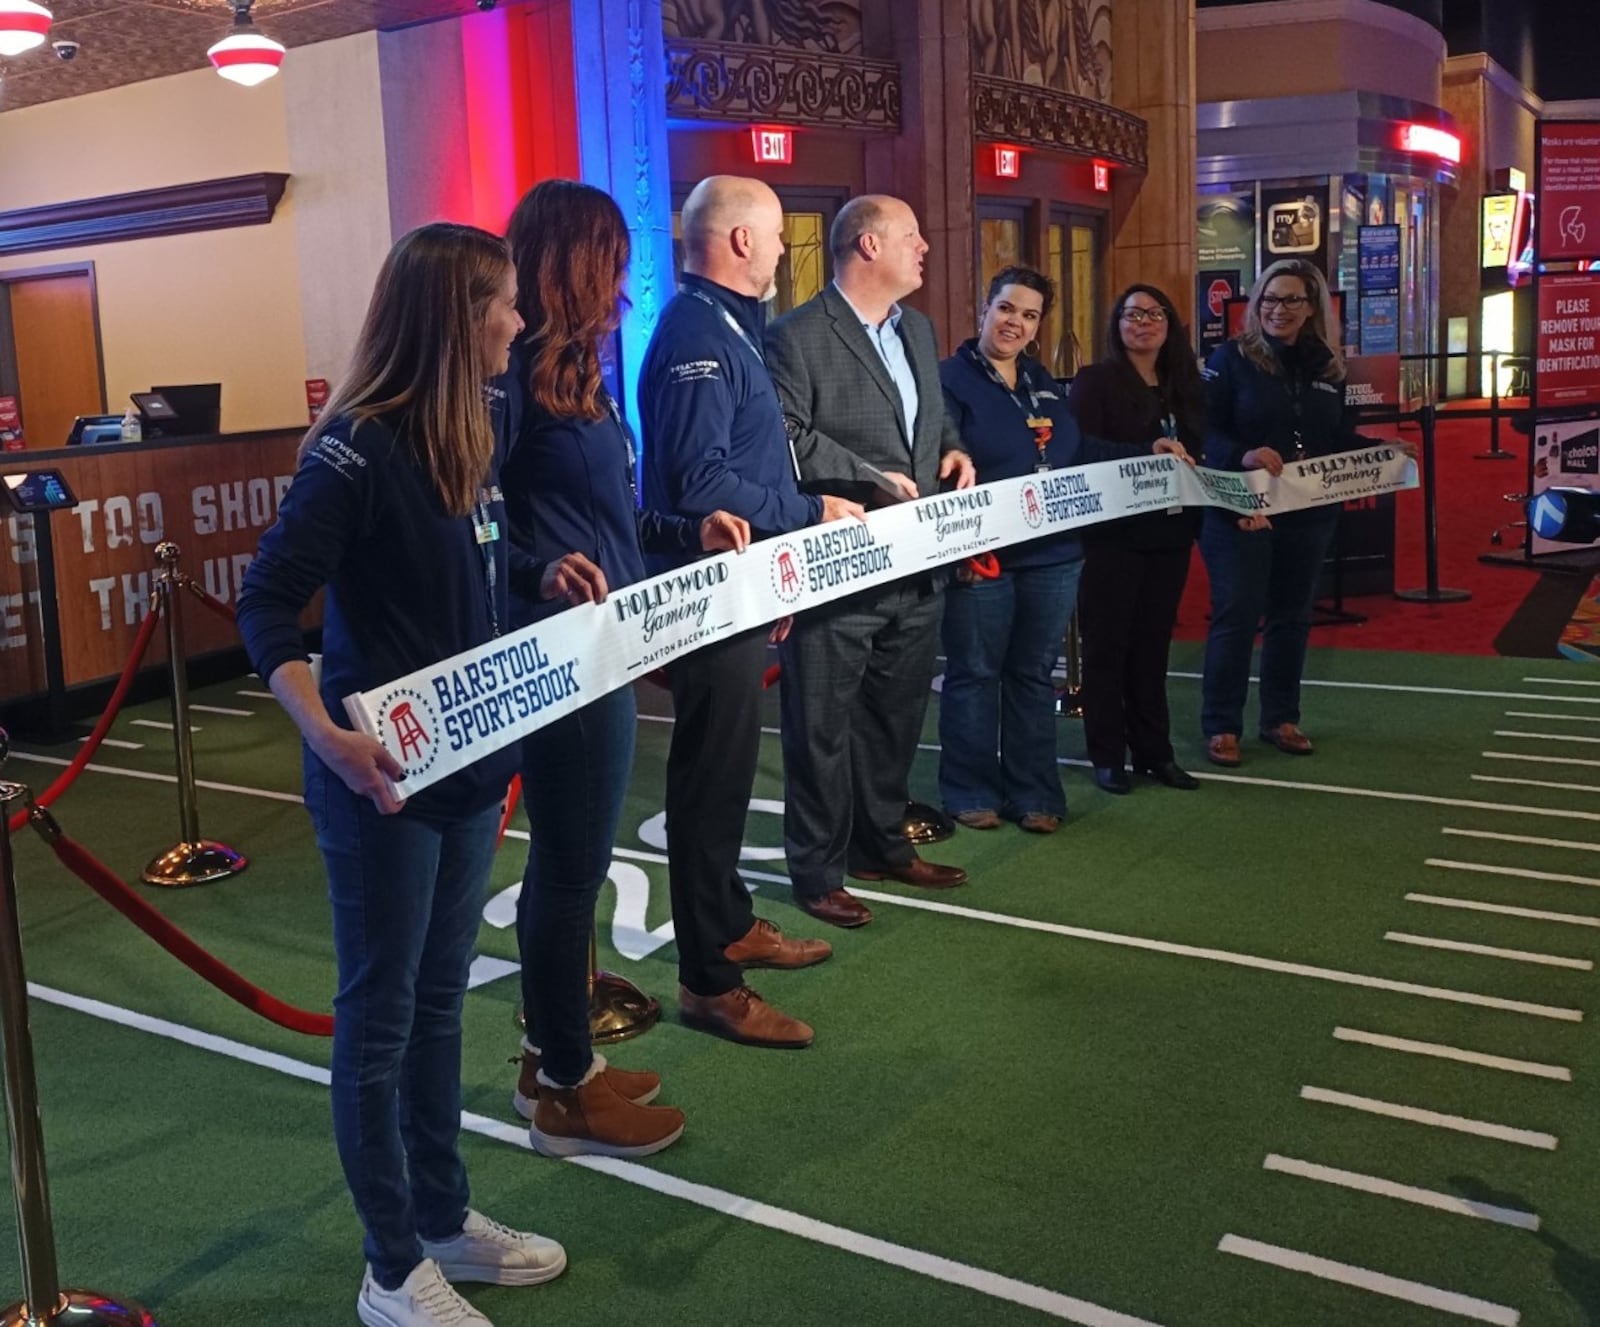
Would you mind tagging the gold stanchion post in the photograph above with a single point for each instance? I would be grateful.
(192, 860)
(45, 1303)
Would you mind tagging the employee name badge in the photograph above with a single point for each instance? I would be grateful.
(485, 530)
(1043, 430)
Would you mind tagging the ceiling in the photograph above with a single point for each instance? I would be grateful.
(128, 41)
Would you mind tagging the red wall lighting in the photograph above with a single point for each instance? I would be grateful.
(772, 147)
(1432, 140)
(1102, 177)
(1007, 161)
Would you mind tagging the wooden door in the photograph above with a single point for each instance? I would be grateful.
(58, 354)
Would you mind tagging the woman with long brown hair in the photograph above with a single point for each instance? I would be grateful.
(577, 534)
(395, 508)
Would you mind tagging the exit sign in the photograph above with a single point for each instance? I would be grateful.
(1007, 161)
(773, 147)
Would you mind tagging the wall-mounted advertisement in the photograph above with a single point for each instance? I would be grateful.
(1293, 225)
(1212, 291)
(1569, 190)
(1378, 258)
(1380, 324)
(1225, 234)
(1499, 226)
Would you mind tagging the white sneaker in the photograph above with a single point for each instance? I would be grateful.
(425, 1299)
(487, 1251)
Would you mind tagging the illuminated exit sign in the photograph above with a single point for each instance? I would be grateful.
(1007, 161)
(773, 147)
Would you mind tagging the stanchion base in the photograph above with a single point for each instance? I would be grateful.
(618, 1009)
(80, 1308)
(1426, 596)
(926, 824)
(186, 864)
(1069, 704)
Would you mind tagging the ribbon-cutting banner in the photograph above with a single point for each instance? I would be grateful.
(440, 719)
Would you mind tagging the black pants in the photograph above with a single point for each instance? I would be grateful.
(856, 678)
(711, 769)
(1127, 606)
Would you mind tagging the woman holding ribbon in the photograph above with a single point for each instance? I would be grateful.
(577, 534)
(395, 507)
(1146, 388)
(1003, 632)
(1275, 393)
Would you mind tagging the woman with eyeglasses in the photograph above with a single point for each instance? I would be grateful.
(1002, 635)
(1273, 394)
(1145, 389)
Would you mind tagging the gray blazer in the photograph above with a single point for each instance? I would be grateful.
(842, 408)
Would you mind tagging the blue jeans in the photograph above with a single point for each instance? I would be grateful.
(1267, 577)
(574, 779)
(997, 720)
(407, 898)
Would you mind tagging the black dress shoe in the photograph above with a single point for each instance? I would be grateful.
(1172, 774)
(1114, 781)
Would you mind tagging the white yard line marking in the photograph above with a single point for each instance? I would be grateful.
(1541, 760)
(267, 695)
(1506, 909)
(1066, 1307)
(1577, 844)
(1433, 1118)
(1441, 1052)
(1570, 718)
(1426, 691)
(118, 743)
(223, 709)
(1539, 783)
(1544, 737)
(1562, 681)
(1520, 872)
(1406, 1193)
(156, 723)
(1490, 951)
(154, 777)
(1363, 1278)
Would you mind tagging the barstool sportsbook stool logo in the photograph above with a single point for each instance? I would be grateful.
(408, 726)
(1032, 504)
(788, 583)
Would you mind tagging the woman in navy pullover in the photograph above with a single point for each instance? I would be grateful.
(395, 508)
(577, 534)
(1002, 636)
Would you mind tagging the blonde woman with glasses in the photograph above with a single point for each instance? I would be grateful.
(1274, 394)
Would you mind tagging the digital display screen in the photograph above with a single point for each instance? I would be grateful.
(38, 490)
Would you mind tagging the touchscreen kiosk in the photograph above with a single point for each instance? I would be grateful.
(38, 490)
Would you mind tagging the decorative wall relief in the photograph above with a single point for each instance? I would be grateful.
(1063, 45)
(734, 80)
(806, 25)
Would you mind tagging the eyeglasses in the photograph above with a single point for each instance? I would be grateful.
(1293, 303)
(1135, 315)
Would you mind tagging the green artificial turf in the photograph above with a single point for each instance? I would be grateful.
(1069, 1110)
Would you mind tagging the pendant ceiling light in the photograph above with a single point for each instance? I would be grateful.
(23, 25)
(244, 55)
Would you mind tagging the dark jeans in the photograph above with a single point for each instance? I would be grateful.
(407, 898)
(1267, 577)
(574, 778)
(1127, 606)
(711, 770)
(997, 720)
(856, 675)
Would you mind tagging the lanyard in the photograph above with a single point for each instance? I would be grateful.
(627, 447)
(1038, 421)
(728, 318)
(486, 533)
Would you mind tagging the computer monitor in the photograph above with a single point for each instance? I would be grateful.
(198, 407)
(87, 429)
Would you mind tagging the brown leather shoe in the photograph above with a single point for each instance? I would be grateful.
(592, 1119)
(1223, 749)
(638, 1085)
(923, 874)
(765, 946)
(743, 1016)
(1040, 822)
(982, 818)
(1287, 737)
(838, 907)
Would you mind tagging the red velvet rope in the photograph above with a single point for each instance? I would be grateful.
(83, 864)
(508, 807)
(209, 600)
(69, 775)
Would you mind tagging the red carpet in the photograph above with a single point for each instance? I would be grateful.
(1471, 506)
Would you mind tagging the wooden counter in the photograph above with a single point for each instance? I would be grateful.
(212, 496)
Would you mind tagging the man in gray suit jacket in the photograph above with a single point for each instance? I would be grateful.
(859, 379)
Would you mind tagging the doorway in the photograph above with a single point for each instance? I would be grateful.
(50, 357)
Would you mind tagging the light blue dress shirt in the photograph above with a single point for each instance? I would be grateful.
(885, 338)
